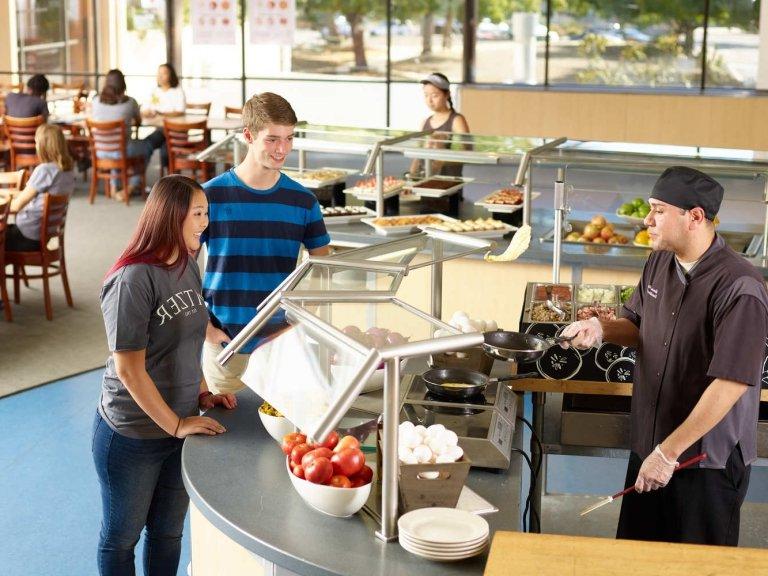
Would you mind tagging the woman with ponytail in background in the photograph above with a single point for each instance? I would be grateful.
(444, 119)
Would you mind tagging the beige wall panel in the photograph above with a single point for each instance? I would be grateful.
(655, 118)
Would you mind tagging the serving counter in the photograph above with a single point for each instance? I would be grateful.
(247, 519)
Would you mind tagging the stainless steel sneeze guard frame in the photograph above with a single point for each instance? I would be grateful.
(291, 300)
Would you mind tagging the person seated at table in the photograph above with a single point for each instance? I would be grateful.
(167, 98)
(54, 175)
(31, 102)
(445, 118)
(112, 104)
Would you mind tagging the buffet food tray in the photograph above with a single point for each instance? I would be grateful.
(370, 194)
(440, 186)
(579, 301)
(456, 227)
(347, 215)
(315, 177)
(390, 225)
(502, 208)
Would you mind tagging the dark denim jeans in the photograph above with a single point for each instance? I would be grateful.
(141, 486)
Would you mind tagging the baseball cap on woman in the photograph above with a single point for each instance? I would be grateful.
(437, 80)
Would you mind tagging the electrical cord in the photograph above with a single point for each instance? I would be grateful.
(534, 474)
(530, 488)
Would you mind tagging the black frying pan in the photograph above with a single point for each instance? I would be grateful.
(518, 347)
(460, 384)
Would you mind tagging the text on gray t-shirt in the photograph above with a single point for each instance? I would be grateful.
(151, 308)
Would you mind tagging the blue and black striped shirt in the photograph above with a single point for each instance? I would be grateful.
(253, 240)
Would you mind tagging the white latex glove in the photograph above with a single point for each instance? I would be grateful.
(586, 334)
(655, 471)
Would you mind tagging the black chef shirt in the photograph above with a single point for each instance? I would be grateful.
(695, 327)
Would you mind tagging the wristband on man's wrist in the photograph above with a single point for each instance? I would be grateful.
(203, 395)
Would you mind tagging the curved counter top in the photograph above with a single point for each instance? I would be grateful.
(239, 483)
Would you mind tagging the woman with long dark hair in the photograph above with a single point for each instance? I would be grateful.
(111, 104)
(153, 387)
(444, 119)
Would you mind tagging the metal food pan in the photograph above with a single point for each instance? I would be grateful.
(607, 291)
(532, 311)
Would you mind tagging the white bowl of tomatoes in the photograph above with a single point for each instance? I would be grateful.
(331, 476)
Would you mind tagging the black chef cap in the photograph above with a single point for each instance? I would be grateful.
(687, 188)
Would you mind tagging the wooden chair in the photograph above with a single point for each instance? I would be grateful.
(111, 137)
(233, 111)
(11, 183)
(5, 210)
(200, 109)
(184, 141)
(50, 257)
(21, 138)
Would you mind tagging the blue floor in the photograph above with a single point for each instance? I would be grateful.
(50, 509)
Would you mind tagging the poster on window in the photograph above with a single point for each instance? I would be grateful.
(272, 21)
(214, 21)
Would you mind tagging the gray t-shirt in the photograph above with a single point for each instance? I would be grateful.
(23, 105)
(126, 111)
(48, 178)
(150, 308)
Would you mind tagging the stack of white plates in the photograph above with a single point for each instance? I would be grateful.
(444, 534)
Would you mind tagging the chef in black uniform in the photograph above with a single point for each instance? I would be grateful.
(699, 320)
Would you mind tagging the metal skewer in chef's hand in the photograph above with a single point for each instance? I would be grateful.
(609, 499)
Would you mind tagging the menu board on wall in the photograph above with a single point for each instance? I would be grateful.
(272, 21)
(214, 21)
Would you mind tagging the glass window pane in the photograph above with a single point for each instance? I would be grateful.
(426, 37)
(617, 44)
(219, 93)
(80, 45)
(40, 22)
(141, 40)
(209, 60)
(340, 39)
(510, 43)
(733, 40)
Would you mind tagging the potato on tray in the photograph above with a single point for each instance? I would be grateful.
(388, 221)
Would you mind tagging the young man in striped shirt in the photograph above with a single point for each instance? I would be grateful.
(259, 219)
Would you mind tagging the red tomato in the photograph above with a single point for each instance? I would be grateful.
(290, 441)
(330, 441)
(357, 482)
(347, 442)
(319, 471)
(365, 475)
(348, 462)
(316, 453)
(298, 471)
(298, 452)
(339, 481)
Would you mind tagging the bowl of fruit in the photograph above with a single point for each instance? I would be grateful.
(274, 423)
(331, 476)
(634, 211)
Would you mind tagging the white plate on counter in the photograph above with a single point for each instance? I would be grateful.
(393, 227)
(503, 208)
(419, 189)
(443, 526)
(306, 177)
(361, 212)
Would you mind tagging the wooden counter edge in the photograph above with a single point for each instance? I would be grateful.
(583, 387)
(525, 554)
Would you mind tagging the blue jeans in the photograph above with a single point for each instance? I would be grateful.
(140, 486)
